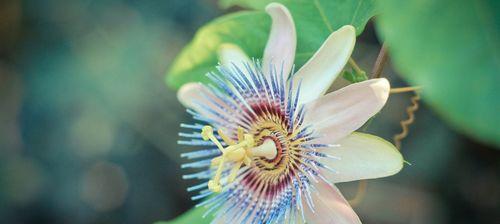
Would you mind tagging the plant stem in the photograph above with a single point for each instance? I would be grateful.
(405, 89)
(360, 194)
(355, 66)
(380, 62)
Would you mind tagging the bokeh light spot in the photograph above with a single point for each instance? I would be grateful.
(104, 186)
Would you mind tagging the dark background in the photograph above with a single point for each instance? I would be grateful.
(88, 128)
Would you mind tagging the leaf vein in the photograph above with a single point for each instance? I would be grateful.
(355, 14)
(323, 16)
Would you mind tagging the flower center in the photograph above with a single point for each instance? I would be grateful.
(279, 171)
(238, 153)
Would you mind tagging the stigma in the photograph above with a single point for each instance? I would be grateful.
(238, 153)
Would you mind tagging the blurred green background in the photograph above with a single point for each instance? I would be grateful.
(89, 128)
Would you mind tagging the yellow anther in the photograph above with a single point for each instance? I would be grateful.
(214, 186)
(207, 133)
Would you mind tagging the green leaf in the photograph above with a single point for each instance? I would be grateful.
(192, 216)
(314, 21)
(353, 76)
(320, 16)
(452, 49)
(200, 56)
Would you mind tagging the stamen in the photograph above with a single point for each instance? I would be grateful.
(236, 152)
(224, 137)
(239, 153)
(207, 133)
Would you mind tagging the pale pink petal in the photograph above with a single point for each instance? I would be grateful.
(199, 98)
(362, 156)
(190, 93)
(339, 113)
(280, 48)
(318, 74)
(330, 207)
(232, 54)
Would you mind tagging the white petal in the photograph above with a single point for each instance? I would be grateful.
(280, 48)
(199, 98)
(231, 53)
(189, 93)
(330, 207)
(362, 156)
(318, 74)
(339, 113)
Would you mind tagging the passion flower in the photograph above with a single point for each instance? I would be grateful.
(273, 145)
